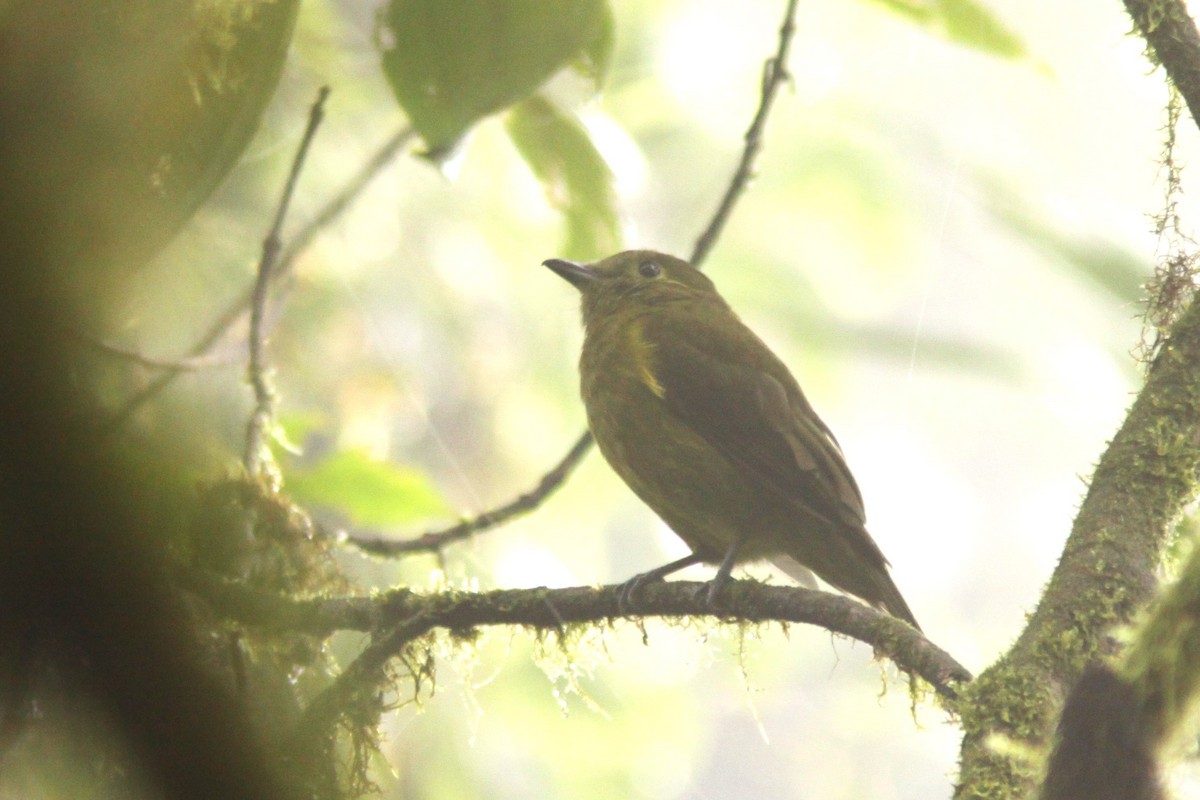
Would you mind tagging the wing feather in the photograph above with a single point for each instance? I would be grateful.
(736, 394)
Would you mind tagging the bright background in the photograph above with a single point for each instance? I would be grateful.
(945, 246)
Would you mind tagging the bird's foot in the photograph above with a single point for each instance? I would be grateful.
(629, 593)
(713, 595)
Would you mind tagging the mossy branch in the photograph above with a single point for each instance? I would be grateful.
(1173, 42)
(1105, 576)
(1163, 662)
(397, 618)
(1103, 748)
(1115, 721)
(1107, 570)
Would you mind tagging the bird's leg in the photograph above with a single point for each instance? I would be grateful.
(717, 584)
(627, 594)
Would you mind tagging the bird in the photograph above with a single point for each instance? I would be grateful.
(710, 429)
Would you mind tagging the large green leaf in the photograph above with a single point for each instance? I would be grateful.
(453, 62)
(123, 117)
(371, 493)
(577, 179)
(963, 21)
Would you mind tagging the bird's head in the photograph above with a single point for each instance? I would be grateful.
(633, 281)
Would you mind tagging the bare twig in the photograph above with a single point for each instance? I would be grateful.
(214, 334)
(434, 541)
(345, 198)
(185, 364)
(775, 74)
(299, 243)
(257, 456)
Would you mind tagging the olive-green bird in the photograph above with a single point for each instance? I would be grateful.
(710, 429)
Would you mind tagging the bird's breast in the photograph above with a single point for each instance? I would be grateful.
(620, 389)
(670, 466)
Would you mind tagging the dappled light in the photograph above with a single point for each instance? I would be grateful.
(339, 470)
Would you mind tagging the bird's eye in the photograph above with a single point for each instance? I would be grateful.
(649, 269)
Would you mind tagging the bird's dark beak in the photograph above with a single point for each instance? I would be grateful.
(578, 275)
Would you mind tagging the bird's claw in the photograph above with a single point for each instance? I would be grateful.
(712, 595)
(629, 593)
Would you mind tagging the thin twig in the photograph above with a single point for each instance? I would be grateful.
(214, 334)
(236, 311)
(775, 74)
(258, 455)
(185, 364)
(434, 541)
(345, 198)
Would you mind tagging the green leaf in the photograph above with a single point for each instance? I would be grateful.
(1104, 264)
(130, 115)
(577, 179)
(297, 426)
(371, 493)
(596, 57)
(453, 62)
(965, 22)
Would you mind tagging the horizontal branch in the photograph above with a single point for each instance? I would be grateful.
(550, 609)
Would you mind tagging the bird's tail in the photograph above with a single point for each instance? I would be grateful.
(883, 593)
(893, 602)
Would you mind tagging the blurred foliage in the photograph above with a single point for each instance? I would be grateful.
(1104, 265)
(453, 63)
(577, 179)
(939, 244)
(369, 493)
(963, 21)
(124, 118)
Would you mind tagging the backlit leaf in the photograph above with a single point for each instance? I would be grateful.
(453, 62)
(577, 179)
(369, 492)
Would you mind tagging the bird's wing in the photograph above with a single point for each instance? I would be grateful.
(750, 416)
